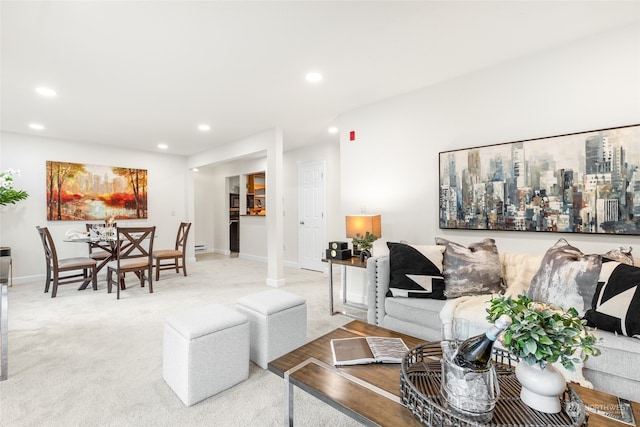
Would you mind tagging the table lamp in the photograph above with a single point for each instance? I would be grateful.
(364, 230)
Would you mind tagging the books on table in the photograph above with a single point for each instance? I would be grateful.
(363, 350)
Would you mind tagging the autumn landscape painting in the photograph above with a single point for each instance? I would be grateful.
(89, 192)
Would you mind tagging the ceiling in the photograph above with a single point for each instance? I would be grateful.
(137, 73)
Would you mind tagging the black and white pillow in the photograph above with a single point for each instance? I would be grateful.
(566, 277)
(472, 270)
(416, 271)
(616, 305)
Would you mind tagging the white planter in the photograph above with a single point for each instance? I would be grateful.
(541, 388)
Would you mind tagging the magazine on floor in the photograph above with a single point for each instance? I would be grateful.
(363, 350)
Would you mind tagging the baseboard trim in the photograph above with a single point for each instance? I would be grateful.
(275, 283)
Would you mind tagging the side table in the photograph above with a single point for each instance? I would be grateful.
(351, 262)
(6, 278)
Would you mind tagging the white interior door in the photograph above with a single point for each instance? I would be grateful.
(311, 228)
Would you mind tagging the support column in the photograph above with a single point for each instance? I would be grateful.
(275, 211)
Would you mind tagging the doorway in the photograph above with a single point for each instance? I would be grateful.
(311, 218)
(233, 189)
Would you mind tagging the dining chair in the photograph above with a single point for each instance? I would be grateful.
(134, 246)
(176, 255)
(56, 266)
(97, 254)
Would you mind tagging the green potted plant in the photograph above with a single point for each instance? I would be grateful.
(539, 335)
(9, 195)
(363, 243)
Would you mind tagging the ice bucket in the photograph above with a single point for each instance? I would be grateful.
(471, 394)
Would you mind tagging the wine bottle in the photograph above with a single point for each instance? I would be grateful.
(475, 352)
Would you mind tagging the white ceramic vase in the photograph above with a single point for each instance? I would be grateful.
(541, 388)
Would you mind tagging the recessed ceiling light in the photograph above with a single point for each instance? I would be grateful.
(163, 146)
(36, 126)
(45, 91)
(314, 77)
(195, 169)
(204, 127)
(333, 129)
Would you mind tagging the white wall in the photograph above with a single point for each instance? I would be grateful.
(204, 207)
(169, 184)
(392, 166)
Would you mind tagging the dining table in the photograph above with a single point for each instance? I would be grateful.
(102, 242)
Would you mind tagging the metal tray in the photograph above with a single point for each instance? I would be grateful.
(420, 392)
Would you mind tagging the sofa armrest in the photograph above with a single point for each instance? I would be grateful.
(378, 272)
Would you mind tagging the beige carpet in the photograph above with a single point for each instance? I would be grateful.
(87, 359)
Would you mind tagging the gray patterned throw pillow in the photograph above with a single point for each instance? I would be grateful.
(621, 254)
(566, 278)
(472, 270)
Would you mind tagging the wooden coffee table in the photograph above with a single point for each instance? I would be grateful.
(370, 394)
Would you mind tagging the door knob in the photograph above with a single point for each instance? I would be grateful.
(301, 222)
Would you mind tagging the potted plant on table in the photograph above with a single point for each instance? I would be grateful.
(540, 335)
(362, 244)
(8, 196)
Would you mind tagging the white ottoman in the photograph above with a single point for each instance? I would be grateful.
(278, 322)
(205, 351)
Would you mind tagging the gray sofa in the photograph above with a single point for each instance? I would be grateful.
(615, 371)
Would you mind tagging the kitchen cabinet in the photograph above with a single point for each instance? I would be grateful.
(256, 194)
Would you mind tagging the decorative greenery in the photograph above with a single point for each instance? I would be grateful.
(8, 195)
(540, 333)
(364, 242)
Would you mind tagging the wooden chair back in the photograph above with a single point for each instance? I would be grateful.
(183, 234)
(94, 253)
(85, 267)
(49, 247)
(169, 259)
(135, 242)
(134, 249)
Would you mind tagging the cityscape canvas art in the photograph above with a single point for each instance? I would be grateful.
(77, 191)
(587, 182)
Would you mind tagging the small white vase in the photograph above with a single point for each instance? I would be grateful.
(541, 388)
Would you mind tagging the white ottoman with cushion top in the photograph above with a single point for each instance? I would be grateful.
(205, 351)
(278, 322)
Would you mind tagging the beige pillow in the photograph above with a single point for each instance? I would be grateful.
(518, 270)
